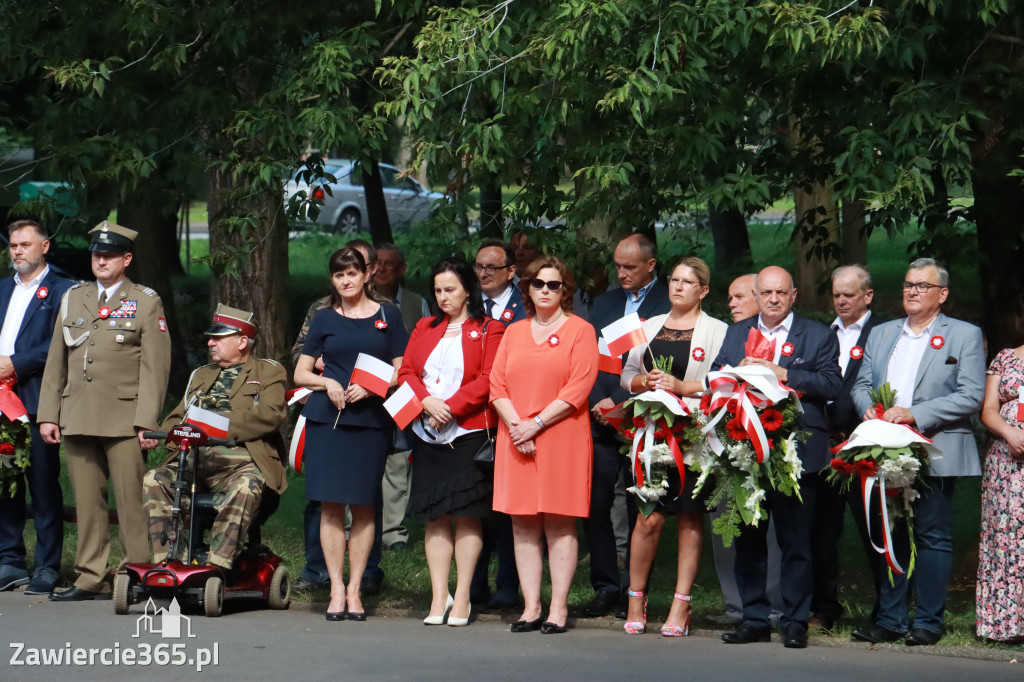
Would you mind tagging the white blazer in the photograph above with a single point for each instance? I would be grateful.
(708, 335)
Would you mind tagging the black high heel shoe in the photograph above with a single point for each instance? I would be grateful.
(527, 625)
(549, 628)
(335, 616)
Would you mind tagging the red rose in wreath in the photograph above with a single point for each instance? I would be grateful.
(705, 403)
(856, 353)
(629, 434)
(787, 349)
(698, 354)
(866, 467)
(771, 420)
(733, 405)
(638, 422)
(6, 448)
(735, 429)
(381, 325)
(842, 466)
(937, 342)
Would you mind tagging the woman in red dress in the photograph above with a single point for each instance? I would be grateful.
(542, 375)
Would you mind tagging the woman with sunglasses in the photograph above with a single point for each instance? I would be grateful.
(447, 364)
(692, 339)
(542, 376)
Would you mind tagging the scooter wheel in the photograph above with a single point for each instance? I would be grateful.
(213, 596)
(280, 589)
(122, 593)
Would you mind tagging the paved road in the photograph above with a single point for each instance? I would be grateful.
(300, 645)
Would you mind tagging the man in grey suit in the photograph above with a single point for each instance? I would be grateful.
(937, 366)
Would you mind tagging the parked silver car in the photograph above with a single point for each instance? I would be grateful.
(343, 208)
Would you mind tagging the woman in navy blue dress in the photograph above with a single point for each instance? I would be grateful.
(348, 431)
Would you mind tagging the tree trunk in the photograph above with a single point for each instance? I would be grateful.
(260, 282)
(854, 241)
(732, 241)
(491, 224)
(154, 261)
(376, 207)
(998, 205)
(815, 239)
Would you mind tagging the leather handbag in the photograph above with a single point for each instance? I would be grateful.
(485, 455)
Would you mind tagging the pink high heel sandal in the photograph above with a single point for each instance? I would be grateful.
(635, 627)
(677, 630)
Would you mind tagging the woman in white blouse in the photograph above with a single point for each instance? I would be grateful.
(692, 339)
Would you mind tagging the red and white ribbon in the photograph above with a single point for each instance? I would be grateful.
(297, 445)
(867, 484)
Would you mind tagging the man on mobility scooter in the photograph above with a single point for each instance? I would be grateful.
(241, 399)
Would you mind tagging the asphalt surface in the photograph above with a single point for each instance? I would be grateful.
(299, 644)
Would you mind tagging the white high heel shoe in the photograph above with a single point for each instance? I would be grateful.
(439, 620)
(460, 622)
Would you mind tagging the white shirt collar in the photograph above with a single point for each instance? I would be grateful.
(785, 325)
(858, 325)
(35, 281)
(927, 331)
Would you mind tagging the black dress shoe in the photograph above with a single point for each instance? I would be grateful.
(922, 637)
(549, 628)
(876, 634)
(746, 634)
(78, 594)
(794, 637)
(359, 616)
(527, 625)
(335, 616)
(602, 604)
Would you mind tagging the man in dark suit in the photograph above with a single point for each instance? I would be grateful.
(495, 265)
(643, 293)
(806, 358)
(851, 298)
(29, 302)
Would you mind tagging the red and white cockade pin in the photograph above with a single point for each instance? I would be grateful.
(937, 342)
(553, 340)
(474, 335)
(104, 312)
(506, 316)
(698, 353)
(381, 325)
(856, 353)
(161, 323)
(42, 292)
(787, 349)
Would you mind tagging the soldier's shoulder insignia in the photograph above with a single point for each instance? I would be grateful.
(147, 291)
(77, 286)
(275, 363)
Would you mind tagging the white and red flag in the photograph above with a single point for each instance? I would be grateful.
(297, 395)
(297, 445)
(10, 404)
(372, 374)
(213, 425)
(403, 405)
(625, 334)
(606, 362)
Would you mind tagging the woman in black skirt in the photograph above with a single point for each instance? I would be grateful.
(348, 431)
(447, 364)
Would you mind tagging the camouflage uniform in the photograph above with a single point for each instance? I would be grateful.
(251, 394)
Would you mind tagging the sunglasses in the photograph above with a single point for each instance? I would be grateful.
(539, 284)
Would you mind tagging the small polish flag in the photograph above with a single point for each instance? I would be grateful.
(297, 395)
(606, 362)
(372, 374)
(213, 424)
(298, 444)
(615, 415)
(625, 334)
(403, 405)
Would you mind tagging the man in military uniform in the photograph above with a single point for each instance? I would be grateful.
(250, 393)
(103, 386)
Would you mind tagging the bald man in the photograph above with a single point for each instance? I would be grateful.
(742, 299)
(806, 359)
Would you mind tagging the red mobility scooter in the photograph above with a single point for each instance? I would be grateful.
(257, 573)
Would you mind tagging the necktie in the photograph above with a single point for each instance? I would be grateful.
(488, 307)
(103, 298)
